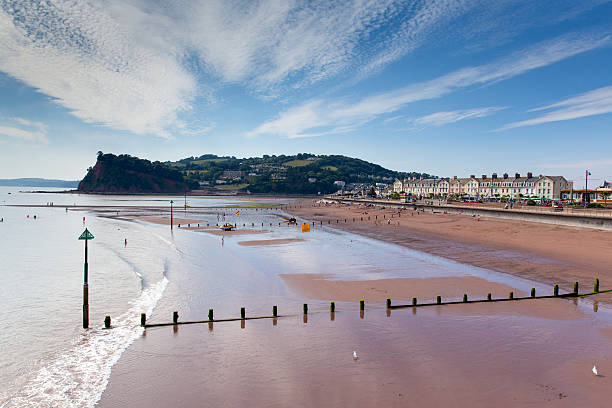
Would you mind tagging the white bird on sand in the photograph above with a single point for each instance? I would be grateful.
(355, 356)
(595, 371)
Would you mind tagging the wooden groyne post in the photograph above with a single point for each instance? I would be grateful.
(414, 304)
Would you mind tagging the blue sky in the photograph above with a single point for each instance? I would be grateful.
(444, 87)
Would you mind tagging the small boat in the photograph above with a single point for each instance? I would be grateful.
(226, 227)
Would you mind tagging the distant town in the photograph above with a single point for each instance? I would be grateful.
(505, 187)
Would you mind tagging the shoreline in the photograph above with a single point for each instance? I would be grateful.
(541, 252)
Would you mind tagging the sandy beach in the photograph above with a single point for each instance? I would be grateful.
(541, 252)
(265, 242)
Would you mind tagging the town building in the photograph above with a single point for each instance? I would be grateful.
(485, 187)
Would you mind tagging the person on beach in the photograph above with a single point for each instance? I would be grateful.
(2, 219)
(125, 243)
(222, 240)
(83, 220)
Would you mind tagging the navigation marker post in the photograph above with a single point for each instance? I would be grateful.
(171, 202)
(85, 236)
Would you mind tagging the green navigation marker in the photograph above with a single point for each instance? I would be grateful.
(85, 236)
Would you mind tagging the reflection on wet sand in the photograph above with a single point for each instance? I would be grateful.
(263, 242)
(436, 359)
(525, 353)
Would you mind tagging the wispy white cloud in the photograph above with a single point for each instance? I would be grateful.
(26, 130)
(444, 118)
(319, 116)
(103, 71)
(595, 102)
(143, 66)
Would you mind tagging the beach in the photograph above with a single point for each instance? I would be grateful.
(543, 252)
(535, 352)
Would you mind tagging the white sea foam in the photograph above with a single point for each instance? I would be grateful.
(78, 377)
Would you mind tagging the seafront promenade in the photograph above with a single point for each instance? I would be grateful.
(591, 218)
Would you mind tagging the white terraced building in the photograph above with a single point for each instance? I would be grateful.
(540, 187)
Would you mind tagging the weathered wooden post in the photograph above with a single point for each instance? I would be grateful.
(107, 322)
(532, 292)
(362, 305)
(439, 299)
(242, 313)
(388, 303)
(556, 290)
(143, 319)
(332, 307)
(305, 308)
(488, 296)
(575, 288)
(274, 311)
(465, 298)
(211, 315)
(596, 285)
(86, 236)
(175, 317)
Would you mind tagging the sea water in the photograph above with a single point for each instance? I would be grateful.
(49, 360)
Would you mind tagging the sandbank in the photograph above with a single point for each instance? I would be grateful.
(541, 252)
(263, 242)
(220, 232)
(166, 220)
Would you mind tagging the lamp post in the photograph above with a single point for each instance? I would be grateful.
(586, 186)
(171, 202)
(85, 236)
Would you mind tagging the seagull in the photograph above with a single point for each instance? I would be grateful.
(594, 368)
(355, 356)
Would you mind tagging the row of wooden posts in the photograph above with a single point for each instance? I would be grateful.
(262, 224)
(414, 303)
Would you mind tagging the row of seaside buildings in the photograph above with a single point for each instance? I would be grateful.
(493, 187)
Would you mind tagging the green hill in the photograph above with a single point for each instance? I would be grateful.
(297, 174)
(127, 174)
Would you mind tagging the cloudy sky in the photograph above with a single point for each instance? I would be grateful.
(447, 87)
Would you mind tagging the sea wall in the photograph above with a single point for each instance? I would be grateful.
(558, 218)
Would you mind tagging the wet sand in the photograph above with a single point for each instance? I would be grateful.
(265, 242)
(541, 252)
(427, 359)
(323, 287)
(220, 232)
(507, 354)
(166, 220)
